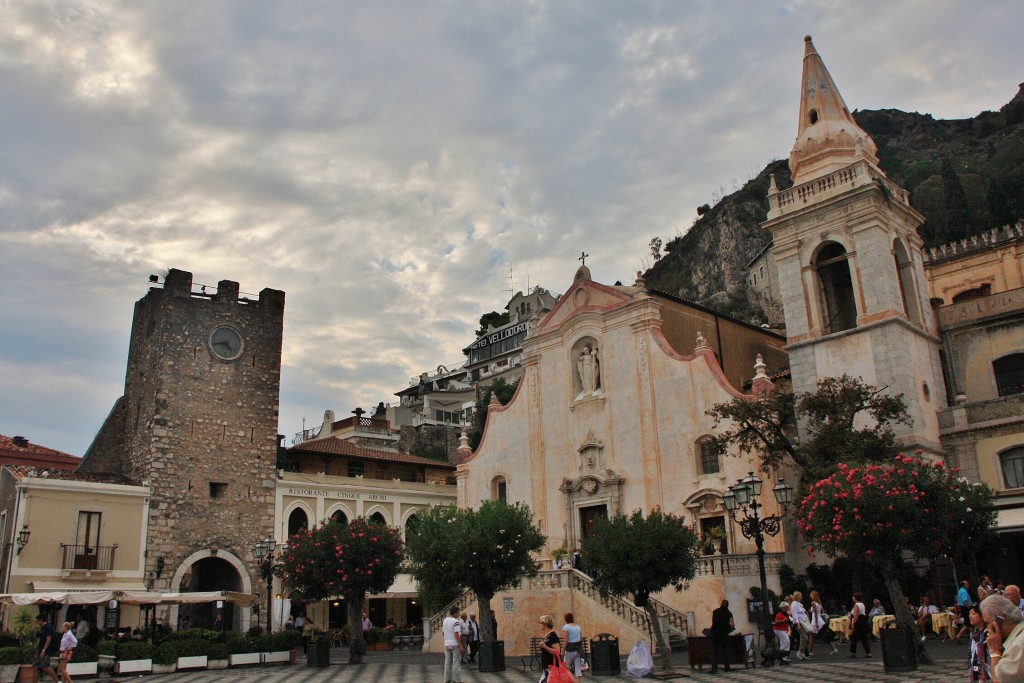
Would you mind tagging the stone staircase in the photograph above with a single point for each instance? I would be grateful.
(673, 622)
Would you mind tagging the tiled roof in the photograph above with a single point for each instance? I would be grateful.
(22, 471)
(335, 446)
(8, 445)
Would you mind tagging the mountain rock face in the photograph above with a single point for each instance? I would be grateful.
(965, 176)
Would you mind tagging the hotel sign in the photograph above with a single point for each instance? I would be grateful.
(499, 336)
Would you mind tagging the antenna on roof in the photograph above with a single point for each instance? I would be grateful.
(511, 280)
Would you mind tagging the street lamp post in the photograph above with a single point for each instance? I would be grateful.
(264, 554)
(741, 500)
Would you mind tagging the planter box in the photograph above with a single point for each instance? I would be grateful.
(83, 668)
(280, 657)
(164, 668)
(198, 662)
(134, 666)
(246, 658)
(217, 664)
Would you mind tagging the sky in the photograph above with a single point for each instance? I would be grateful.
(397, 167)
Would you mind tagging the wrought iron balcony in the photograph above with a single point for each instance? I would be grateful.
(87, 557)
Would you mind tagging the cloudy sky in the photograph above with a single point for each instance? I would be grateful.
(387, 163)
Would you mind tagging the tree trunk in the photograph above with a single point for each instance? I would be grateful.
(356, 643)
(904, 617)
(483, 606)
(664, 650)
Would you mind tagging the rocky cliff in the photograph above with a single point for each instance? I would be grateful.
(965, 176)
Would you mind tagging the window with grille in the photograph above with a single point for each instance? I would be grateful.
(709, 462)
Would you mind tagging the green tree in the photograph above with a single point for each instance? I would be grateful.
(343, 560)
(765, 427)
(492, 319)
(655, 246)
(638, 556)
(484, 550)
(879, 512)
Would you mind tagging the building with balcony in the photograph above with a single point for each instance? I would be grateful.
(66, 531)
(978, 288)
(499, 351)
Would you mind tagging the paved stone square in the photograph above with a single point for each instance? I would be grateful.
(427, 668)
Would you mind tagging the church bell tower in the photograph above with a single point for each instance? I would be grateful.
(845, 242)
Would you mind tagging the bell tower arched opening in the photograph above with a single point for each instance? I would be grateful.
(838, 303)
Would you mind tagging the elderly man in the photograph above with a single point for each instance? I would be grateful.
(1013, 595)
(1005, 643)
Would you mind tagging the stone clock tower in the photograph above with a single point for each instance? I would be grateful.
(845, 242)
(198, 422)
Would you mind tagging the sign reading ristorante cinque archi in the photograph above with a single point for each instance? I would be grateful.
(345, 495)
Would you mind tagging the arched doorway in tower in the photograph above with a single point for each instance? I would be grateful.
(208, 574)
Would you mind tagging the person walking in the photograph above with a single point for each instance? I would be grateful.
(464, 629)
(549, 646)
(453, 647)
(45, 647)
(68, 643)
(980, 668)
(573, 645)
(781, 628)
(859, 627)
(722, 624)
(819, 620)
(474, 638)
(801, 625)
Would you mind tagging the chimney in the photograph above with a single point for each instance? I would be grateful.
(20, 441)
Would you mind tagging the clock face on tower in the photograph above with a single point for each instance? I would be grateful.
(226, 343)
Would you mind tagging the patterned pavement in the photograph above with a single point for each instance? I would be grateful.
(427, 668)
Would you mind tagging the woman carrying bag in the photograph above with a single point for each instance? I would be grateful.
(553, 669)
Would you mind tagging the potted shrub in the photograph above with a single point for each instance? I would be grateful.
(25, 628)
(84, 661)
(278, 649)
(134, 656)
(165, 658)
(107, 655)
(216, 655)
(243, 651)
(191, 653)
(560, 557)
(292, 638)
(10, 662)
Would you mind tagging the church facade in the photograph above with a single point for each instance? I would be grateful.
(609, 418)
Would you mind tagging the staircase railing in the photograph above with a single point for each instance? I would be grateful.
(621, 607)
(433, 624)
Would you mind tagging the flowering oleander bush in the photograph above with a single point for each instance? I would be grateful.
(347, 560)
(342, 560)
(875, 512)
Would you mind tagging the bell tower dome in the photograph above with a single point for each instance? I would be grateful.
(851, 275)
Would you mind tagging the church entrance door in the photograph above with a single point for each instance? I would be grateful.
(589, 516)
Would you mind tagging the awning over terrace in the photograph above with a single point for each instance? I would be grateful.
(126, 597)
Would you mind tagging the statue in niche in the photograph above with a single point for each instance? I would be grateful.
(588, 365)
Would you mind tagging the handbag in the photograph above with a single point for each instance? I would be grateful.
(559, 672)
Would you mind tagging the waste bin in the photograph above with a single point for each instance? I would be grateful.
(899, 651)
(604, 655)
(492, 655)
(318, 654)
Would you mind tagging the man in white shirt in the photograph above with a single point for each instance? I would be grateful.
(924, 615)
(451, 629)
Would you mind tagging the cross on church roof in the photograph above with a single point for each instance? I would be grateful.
(583, 257)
